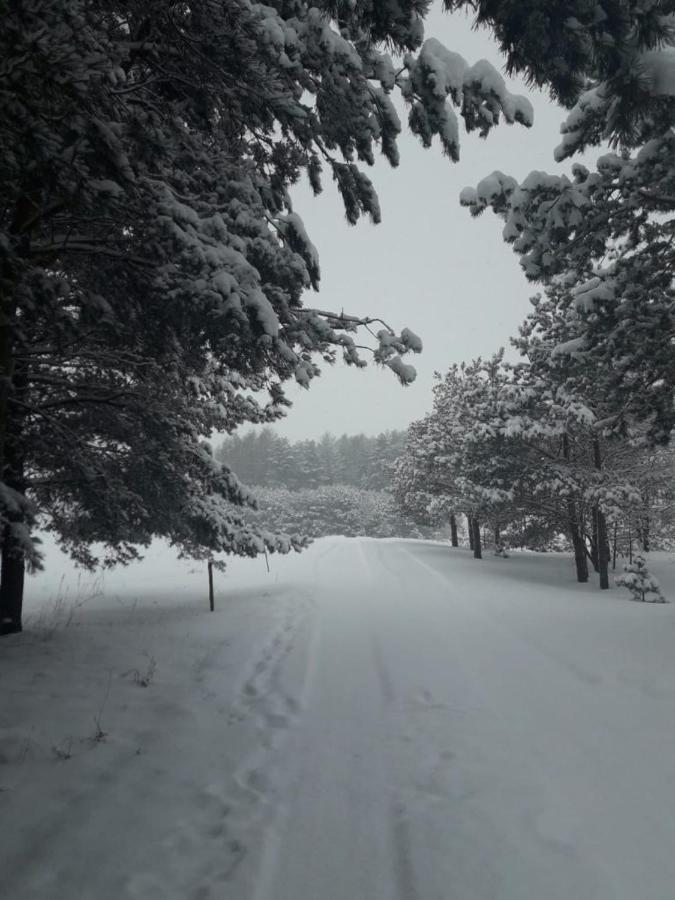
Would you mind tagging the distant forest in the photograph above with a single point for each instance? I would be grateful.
(263, 458)
(336, 485)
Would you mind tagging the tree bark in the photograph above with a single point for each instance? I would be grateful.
(575, 529)
(12, 571)
(13, 561)
(578, 543)
(477, 553)
(497, 535)
(19, 229)
(469, 522)
(12, 564)
(603, 550)
(7, 314)
(594, 555)
(600, 528)
(453, 531)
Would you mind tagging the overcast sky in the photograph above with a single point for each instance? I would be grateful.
(428, 266)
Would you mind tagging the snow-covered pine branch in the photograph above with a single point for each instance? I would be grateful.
(603, 241)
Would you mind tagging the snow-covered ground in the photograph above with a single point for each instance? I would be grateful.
(372, 720)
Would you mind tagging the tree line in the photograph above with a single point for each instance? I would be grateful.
(336, 485)
(267, 459)
(527, 452)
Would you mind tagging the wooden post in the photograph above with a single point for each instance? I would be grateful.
(210, 567)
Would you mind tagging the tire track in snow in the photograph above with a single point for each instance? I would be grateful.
(382, 671)
(405, 881)
(404, 868)
(383, 675)
(425, 774)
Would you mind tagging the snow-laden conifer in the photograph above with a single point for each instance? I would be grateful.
(640, 582)
(601, 240)
(154, 269)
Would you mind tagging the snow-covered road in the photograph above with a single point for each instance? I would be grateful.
(391, 721)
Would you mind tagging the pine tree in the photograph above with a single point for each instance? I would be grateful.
(148, 240)
(523, 447)
(640, 582)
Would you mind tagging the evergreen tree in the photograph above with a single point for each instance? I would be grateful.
(328, 473)
(524, 448)
(146, 228)
(601, 242)
(640, 582)
(329, 510)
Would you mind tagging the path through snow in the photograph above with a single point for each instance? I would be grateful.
(375, 720)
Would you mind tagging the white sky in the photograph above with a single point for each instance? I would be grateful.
(428, 266)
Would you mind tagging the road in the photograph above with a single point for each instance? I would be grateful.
(442, 745)
(403, 723)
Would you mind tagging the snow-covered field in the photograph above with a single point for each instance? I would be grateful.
(372, 720)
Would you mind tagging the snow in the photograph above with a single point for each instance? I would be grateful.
(412, 340)
(445, 70)
(370, 719)
(591, 104)
(574, 345)
(383, 70)
(448, 129)
(307, 250)
(659, 68)
(264, 311)
(516, 107)
(406, 373)
(596, 290)
(488, 190)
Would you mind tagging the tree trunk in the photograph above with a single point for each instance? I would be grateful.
(453, 531)
(477, 554)
(13, 562)
(12, 571)
(469, 522)
(575, 528)
(7, 313)
(19, 229)
(578, 543)
(603, 549)
(614, 543)
(595, 558)
(600, 528)
(497, 535)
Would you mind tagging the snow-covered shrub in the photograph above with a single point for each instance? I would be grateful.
(331, 509)
(640, 582)
(500, 550)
